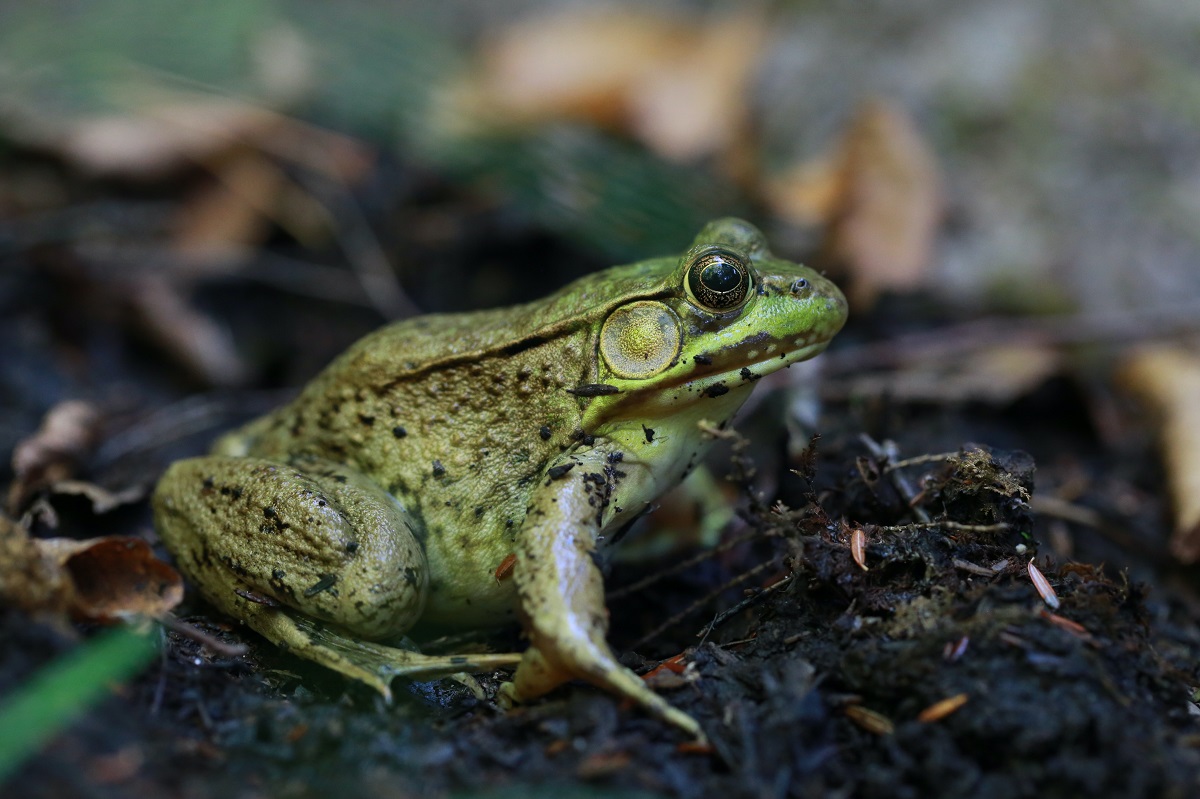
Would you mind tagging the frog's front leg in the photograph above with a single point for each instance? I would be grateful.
(312, 555)
(561, 595)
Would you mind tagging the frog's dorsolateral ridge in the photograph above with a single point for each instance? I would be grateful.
(402, 478)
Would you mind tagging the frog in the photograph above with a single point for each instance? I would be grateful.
(471, 470)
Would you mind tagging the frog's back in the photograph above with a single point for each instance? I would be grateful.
(456, 415)
(409, 347)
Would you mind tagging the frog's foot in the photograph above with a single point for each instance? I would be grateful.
(538, 674)
(366, 661)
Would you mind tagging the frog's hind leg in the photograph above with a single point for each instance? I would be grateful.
(366, 661)
(312, 555)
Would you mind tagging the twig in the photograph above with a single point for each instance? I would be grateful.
(901, 483)
(749, 601)
(699, 603)
(683, 565)
(920, 459)
(193, 632)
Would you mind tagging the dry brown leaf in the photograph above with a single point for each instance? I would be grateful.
(159, 139)
(231, 211)
(696, 104)
(880, 197)
(103, 579)
(102, 499)
(165, 131)
(1167, 379)
(680, 86)
(66, 437)
(28, 580)
(114, 578)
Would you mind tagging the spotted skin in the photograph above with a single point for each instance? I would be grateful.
(393, 488)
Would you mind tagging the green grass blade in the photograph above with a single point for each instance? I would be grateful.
(63, 690)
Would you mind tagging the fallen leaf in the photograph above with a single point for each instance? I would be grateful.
(66, 437)
(28, 580)
(678, 85)
(879, 196)
(1167, 379)
(232, 210)
(102, 499)
(102, 579)
(114, 578)
(695, 104)
(155, 140)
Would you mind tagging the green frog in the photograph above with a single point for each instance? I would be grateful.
(467, 470)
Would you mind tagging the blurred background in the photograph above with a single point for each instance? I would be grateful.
(164, 164)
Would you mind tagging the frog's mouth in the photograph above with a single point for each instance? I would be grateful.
(715, 373)
(726, 375)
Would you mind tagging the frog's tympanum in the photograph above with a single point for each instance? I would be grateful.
(400, 483)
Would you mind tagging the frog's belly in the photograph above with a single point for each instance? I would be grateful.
(464, 591)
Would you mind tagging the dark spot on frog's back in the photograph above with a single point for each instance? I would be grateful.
(438, 469)
(716, 390)
(325, 583)
(545, 432)
(399, 432)
(367, 419)
(748, 375)
(702, 359)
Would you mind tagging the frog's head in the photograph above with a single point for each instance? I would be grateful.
(728, 313)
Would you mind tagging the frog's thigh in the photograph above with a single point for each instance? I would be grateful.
(317, 538)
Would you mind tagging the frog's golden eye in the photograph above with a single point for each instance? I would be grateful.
(719, 280)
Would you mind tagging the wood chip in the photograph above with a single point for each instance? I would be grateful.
(1044, 589)
(858, 547)
(870, 720)
(939, 710)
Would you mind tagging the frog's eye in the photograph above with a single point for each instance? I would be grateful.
(718, 280)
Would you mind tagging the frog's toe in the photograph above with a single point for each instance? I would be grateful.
(538, 675)
(471, 684)
(366, 661)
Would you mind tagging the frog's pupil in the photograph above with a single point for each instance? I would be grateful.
(719, 281)
(721, 276)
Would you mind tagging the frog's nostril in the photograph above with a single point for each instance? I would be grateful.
(799, 285)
